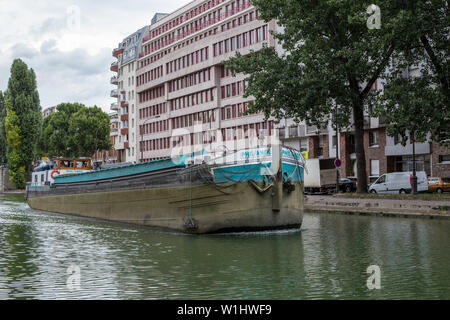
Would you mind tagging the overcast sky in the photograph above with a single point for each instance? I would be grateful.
(71, 53)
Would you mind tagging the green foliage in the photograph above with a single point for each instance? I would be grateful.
(89, 131)
(17, 170)
(23, 124)
(54, 141)
(75, 131)
(2, 129)
(420, 102)
(330, 59)
(413, 106)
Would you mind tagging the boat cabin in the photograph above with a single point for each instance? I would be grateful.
(75, 164)
(45, 174)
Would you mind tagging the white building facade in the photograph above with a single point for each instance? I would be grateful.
(125, 93)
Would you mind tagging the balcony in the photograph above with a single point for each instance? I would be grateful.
(313, 130)
(117, 51)
(124, 104)
(114, 106)
(126, 145)
(114, 80)
(124, 131)
(124, 117)
(114, 66)
(114, 94)
(114, 132)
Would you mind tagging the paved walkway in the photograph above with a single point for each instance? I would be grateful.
(380, 206)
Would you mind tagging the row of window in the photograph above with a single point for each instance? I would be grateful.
(190, 80)
(175, 22)
(240, 21)
(247, 131)
(153, 58)
(195, 26)
(155, 144)
(229, 25)
(256, 130)
(234, 111)
(233, 89)
(193, 118)
(187, 60)
(151, 111)
(151, 94)
(150, 76)
(154, 127)
(241, 41)
(192, 99)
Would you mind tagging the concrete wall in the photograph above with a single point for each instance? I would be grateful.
(5, 183)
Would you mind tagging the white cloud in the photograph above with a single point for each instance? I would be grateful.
(71, 53)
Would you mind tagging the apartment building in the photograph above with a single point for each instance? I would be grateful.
(125, 93)
(48, 111)
(383, 153)
(182, 84)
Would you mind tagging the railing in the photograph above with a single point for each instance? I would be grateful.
(114, 80)
(114, 93)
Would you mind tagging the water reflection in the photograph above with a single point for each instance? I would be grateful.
(327, 259)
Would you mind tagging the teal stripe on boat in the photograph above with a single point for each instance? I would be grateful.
(117, 172)
(246, 172)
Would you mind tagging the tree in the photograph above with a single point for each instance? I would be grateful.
(89, 132)
(75, 131)
(331, 60)
(16, 165)
(2, 129)
(419, 103)
(23, 122)
(54, 141)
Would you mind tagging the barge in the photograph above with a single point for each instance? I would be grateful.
(243, 190)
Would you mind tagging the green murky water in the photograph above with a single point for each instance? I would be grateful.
(327, 259)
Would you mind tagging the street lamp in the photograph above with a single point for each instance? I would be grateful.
(414, 176)
(337, 146)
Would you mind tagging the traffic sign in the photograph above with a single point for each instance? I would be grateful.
(338, 163)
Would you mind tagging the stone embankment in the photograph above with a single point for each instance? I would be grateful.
(6, 186)
(426, 206)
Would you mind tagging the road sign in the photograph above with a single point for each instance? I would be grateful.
(338, 163)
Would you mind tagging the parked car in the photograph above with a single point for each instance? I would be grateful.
(347, 185)
(399, 182)
(439, 185)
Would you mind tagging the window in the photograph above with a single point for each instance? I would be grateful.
(397, 139)
(444, 159)
(382, 179)
(304, 145)
(373, 138)
(375, 168)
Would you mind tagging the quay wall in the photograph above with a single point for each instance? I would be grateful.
(5, 182)
(418, 208)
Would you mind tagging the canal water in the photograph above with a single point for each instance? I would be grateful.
(52, 256)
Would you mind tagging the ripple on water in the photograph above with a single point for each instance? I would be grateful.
(326, 259)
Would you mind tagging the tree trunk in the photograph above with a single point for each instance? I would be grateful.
(358, 118)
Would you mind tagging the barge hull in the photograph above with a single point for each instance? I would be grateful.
(202, 209)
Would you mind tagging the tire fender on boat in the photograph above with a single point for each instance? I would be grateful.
(53, 173)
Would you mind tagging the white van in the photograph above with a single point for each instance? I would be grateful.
(399, 182)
